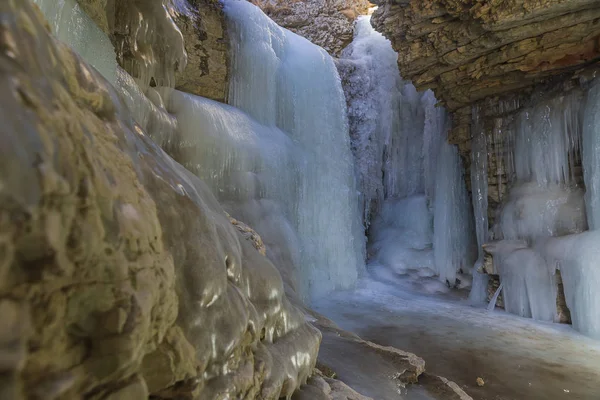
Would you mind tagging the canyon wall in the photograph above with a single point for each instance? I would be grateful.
(492, 54)
(118, 264)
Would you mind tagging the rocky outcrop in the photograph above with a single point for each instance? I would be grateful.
(469, 50)
(148, 43)
(204, 31)
(381, 372)
(118, 265)
(186, 48)
(326, 23)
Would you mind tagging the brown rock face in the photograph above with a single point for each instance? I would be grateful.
(468, 50)
(326, 23)
(186, 47)
(121, 274)
(204, 31)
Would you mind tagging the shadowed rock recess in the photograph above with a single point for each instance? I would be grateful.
(122, 276)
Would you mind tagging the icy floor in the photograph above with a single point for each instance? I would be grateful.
(518, 358)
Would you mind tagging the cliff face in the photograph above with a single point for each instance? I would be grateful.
(468, 51)
(187, 46)
(326, 23)
(118, 266)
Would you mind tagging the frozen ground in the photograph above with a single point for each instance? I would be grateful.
(518, 358)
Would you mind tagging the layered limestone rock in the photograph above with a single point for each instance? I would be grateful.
(118, 266)
(469, 50)
(326, 23)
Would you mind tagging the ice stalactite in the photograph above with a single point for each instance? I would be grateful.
(544, 201)
(453, 242)
(479, 189)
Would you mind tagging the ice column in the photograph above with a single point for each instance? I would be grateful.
(479, 188)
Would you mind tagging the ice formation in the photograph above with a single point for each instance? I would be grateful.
(301, 94)
(529, 283)
(544, 201)
(479, 188)
(71, 25)
(453, 242)
(397, 135)
(577, 256)
(199, 312)
(402, 235)
(590, 154)
(393, 128)
(286, 167)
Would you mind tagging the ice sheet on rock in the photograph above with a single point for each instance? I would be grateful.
(147, 109)
(151, 238)
(71, 25)
(300, 93)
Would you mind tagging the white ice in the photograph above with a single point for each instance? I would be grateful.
(71, 25)
(300, 93)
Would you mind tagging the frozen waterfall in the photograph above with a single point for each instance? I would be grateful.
(395, 130)
(301, 94)
(398, 140)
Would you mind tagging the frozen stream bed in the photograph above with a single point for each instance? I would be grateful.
(518, 358)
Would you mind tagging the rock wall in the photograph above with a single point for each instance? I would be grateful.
(492, 54)
(118, 265)
(326, 23)
(204, 32)
(186, 48)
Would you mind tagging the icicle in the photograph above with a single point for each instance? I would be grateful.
(591, 156)
(494, 299)
(453, 242)
(479, 189)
